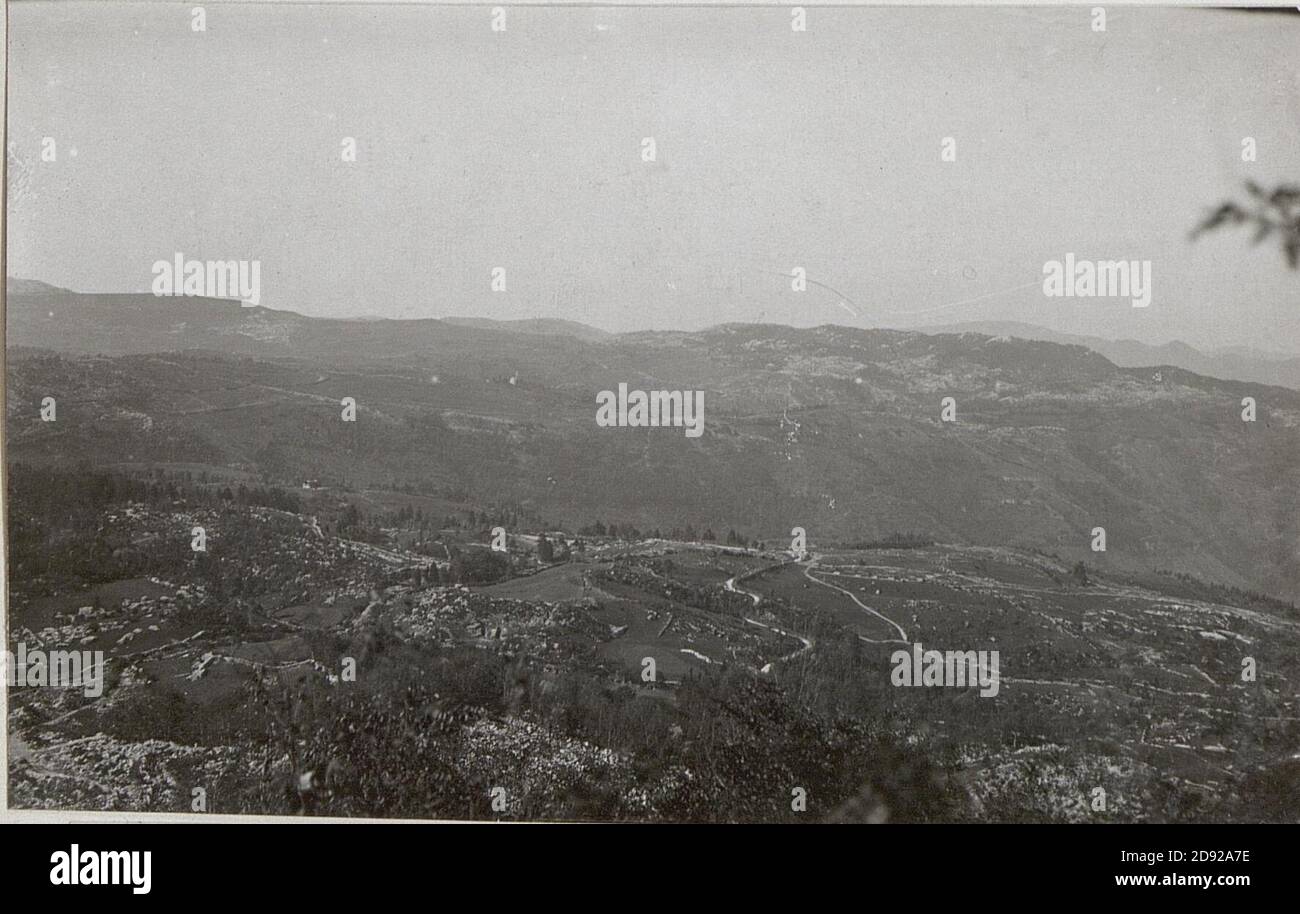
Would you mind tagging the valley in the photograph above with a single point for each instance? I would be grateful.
(647, 645)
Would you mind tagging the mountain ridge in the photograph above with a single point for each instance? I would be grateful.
(1241, 363)
(142, 322)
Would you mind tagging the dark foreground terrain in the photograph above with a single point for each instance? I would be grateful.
(228, 671)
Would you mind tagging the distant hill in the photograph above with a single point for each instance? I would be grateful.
(31, 287)
(1235, 362)
(48, 317)
(541, 326)
(831, 428)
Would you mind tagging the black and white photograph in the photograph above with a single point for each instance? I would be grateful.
(652, 414)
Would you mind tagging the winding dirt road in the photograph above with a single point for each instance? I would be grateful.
(730, 585)
(902, 635)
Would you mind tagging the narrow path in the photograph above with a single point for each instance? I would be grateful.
(806, 642)
(730, 585)
(902, 635)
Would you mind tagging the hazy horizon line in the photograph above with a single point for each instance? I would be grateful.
(925, 329)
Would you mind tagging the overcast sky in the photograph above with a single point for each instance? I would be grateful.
(774, 149)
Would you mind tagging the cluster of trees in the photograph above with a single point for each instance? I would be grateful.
(626, 531)
(687, 534)
(897, 541)
(510, 517)
(264, 497)
(56, 537)
(351, 523)
(547, 553)
(1080, 573)
(61, 495)
(409, 516)
(1223, 593)
(478, 566)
